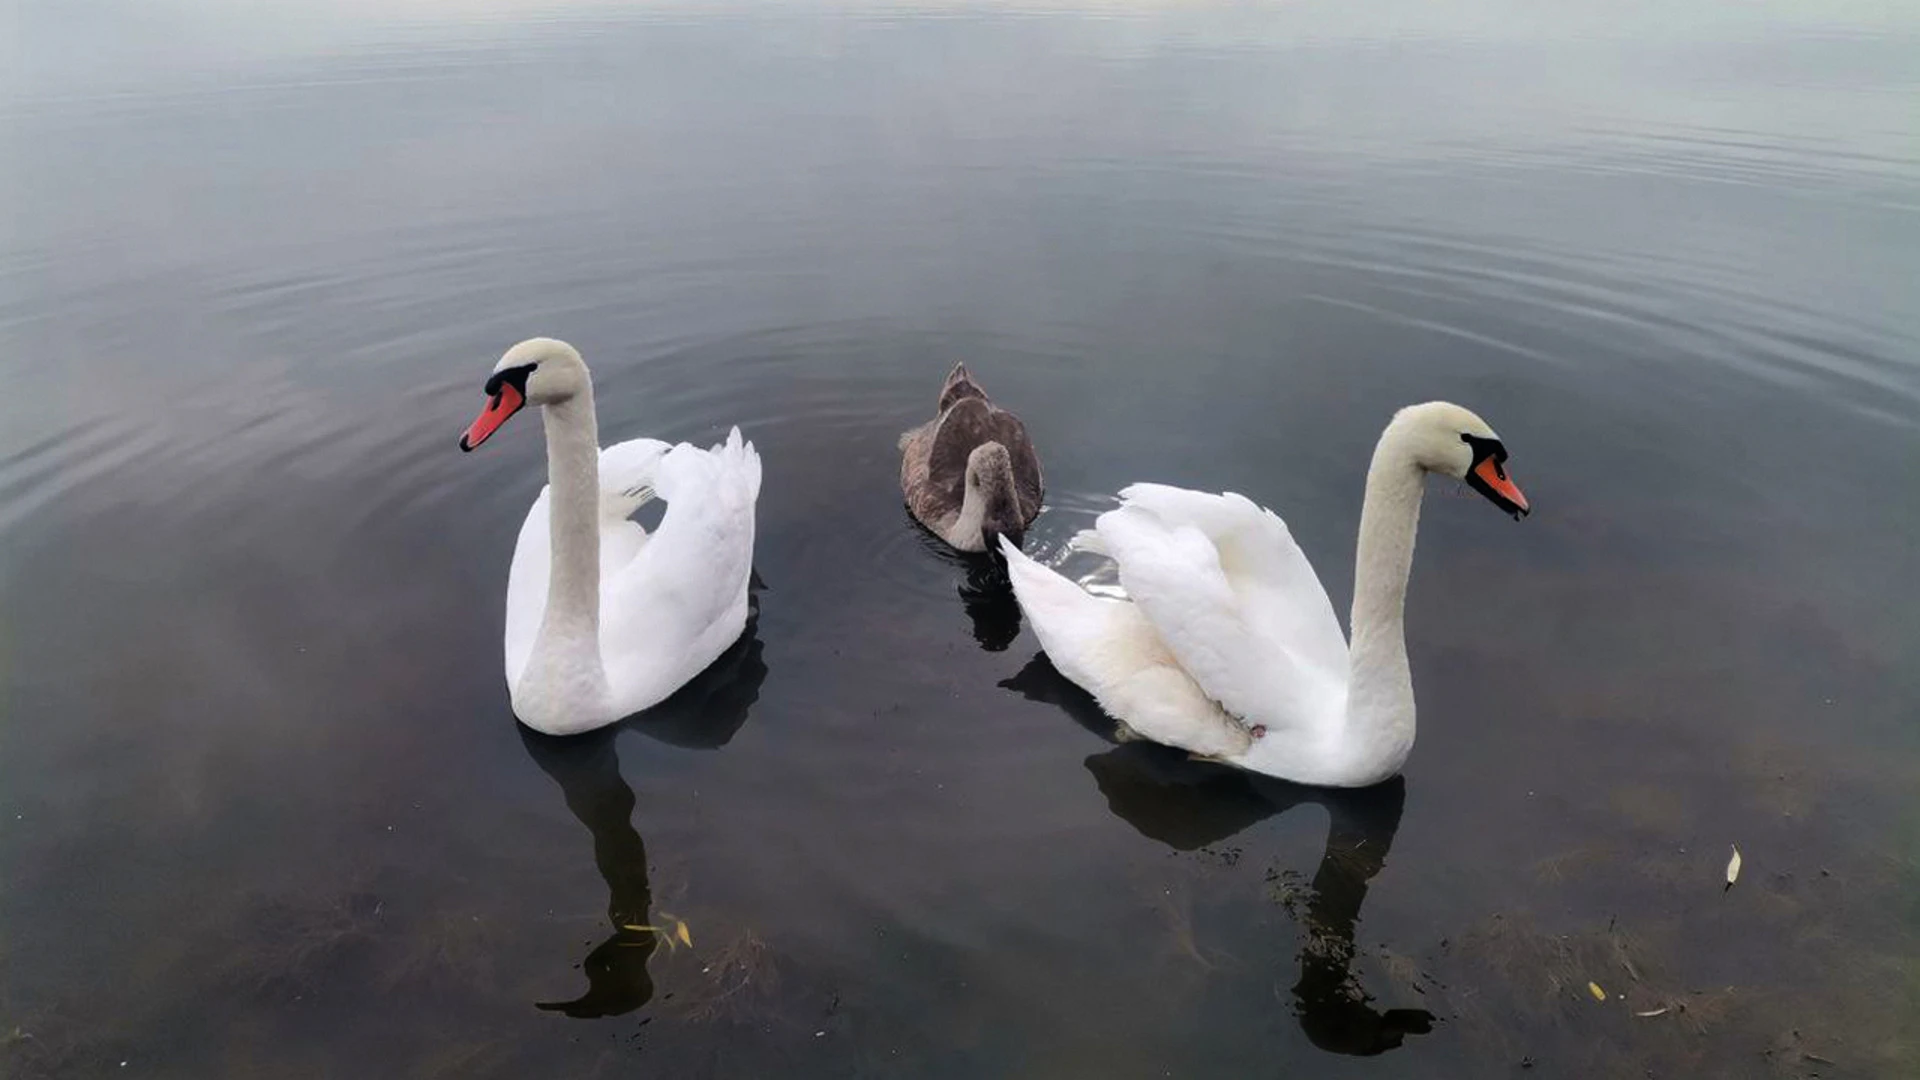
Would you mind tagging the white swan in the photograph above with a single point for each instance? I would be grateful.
(604, 620)
(1229, 647)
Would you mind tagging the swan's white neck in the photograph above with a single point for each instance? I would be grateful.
(573, 470)
(565, 683)
(1379, 722)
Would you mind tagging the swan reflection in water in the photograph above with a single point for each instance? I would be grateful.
(1187, 804)
(985, 593)
(703, 715)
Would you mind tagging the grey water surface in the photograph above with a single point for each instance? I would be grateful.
(264, 810)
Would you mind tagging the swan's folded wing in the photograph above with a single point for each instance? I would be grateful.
(1012, 434)
(1174, 573)
(959, 430)
(725, 476)
(699, 556)
(1109, 649)
(627, 474)
(1280, 594)
(969, 424)
(684, 599)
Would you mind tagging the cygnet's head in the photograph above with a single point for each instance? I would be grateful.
(990, 480)
(1444, 438)
(538, 371)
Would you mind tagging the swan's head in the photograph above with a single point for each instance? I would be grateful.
(538, 371)
(1445, 438)
(990, 481)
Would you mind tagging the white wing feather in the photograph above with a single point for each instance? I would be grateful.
(682, 600)
(1108, 648)
(1260, 557)
(1234, 600)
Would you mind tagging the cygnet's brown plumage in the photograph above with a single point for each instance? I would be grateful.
(970, 473)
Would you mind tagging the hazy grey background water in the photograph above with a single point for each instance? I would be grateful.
(264, 810)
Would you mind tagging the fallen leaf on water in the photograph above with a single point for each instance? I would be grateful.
(640, 928)
(1598, 994)
(1653, 1012)
(685, 935)
(1733, 867)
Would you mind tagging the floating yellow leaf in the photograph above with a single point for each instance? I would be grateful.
(685, 935)
(1733, 867)
(640, 928)
(1598, 994)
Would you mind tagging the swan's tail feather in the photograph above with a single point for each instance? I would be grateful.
(1057, 607)
(732, 466)
(740, 455)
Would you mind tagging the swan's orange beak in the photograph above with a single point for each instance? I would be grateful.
(1491, 478)
(506, 401)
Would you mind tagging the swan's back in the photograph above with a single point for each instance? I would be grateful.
(933, 464)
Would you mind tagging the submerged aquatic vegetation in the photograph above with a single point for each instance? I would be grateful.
(1175, 909)
(295, 943)
(51, 1043)
(451, 947)
(1556, 868)
(732, 980)
(1515, 988)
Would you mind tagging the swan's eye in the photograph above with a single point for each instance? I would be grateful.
(515, 377)
(1484, 448)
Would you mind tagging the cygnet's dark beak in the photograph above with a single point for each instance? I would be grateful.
(992, 537)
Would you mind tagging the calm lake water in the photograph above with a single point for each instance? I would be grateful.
(264, 810)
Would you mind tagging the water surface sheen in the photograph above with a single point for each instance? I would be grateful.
(264, 810)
